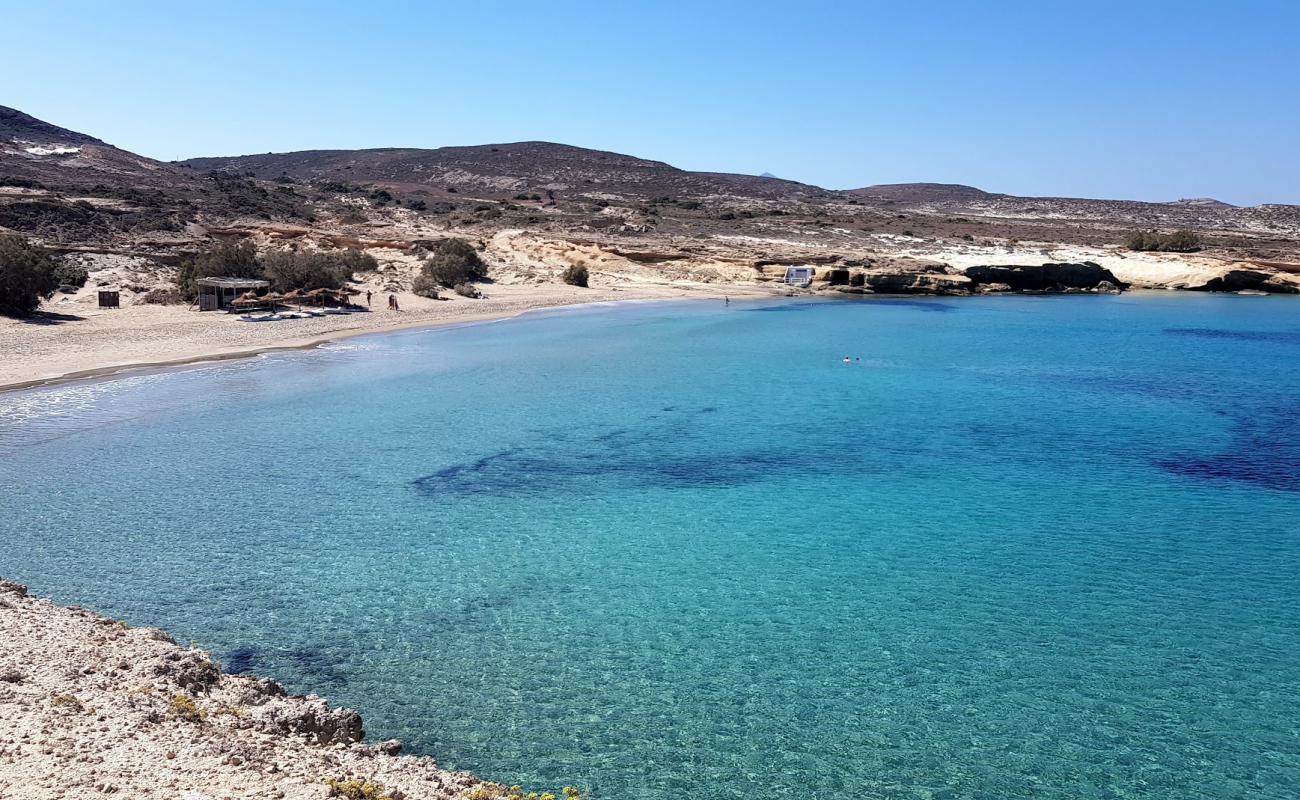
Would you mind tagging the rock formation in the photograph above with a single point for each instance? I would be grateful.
(94, 708)
(1082, 277)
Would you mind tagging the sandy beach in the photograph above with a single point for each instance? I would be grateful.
(76, 339)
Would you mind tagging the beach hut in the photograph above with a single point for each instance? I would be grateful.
(219, 293)
(800, 276)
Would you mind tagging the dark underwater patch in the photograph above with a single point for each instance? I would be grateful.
(471, 612)
(922, 305)
(1282, 337)
(1265, 452)
(671, 457)
(320, 667)
(241, 660)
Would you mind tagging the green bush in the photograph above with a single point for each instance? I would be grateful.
(289, 271)
(1183, 241)
(454, 261)
(575, 275)
(69, 273)
(221, 260)
(27, 275)
(425, 286)
(285, 271)
(356, 261)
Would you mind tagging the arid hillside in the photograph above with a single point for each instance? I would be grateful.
(533, 209)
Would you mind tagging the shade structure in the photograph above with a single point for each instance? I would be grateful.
(248, 299)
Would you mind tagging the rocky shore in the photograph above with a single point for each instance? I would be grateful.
(93, 708)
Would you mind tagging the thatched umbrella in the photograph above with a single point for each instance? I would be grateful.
(247, 299)
(272, 299)
(296, 295)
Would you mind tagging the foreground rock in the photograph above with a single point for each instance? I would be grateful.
(92, 708)
(1082, 277)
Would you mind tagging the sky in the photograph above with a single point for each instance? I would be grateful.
(1138, 100)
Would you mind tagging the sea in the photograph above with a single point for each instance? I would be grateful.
(908, 548)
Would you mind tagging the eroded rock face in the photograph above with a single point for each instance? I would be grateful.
(1085, 276)
(1239, 280)
(902, 281)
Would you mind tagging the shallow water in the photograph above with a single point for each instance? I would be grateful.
(1026, 547)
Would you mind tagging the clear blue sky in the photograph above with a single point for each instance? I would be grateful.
(1143, 100)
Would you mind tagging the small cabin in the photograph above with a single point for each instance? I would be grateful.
(799, 276)
(218, 293)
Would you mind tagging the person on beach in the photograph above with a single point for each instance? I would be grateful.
(726, 301)
(392, 303)
(368, 298)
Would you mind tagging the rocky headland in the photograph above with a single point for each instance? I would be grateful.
(93, 708)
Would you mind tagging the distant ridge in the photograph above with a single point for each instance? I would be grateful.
(507, 168)
(1201, 202)
(924, 192)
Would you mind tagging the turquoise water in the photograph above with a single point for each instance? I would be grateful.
(1026, 547)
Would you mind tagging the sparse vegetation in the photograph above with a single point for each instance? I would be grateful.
(28, 275)
(357, 789)
(161, 296)
(489, 792)
(467, 290)
(183, 707)
(69, 273)
(575, 275)
(1183, 241)
(454, 262)
(68, 701)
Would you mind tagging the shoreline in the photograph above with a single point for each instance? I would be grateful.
(702, 292)
(198, 354)
(93, 706)
(290, 345)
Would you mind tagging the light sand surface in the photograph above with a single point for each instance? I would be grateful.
(91, 340)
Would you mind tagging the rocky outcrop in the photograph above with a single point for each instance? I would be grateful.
(1081, 277)
(92, 707)
(1240, 280)
(907, 282)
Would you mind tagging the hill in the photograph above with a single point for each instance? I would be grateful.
(923, 192)
(35, 150)
(516, 167)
